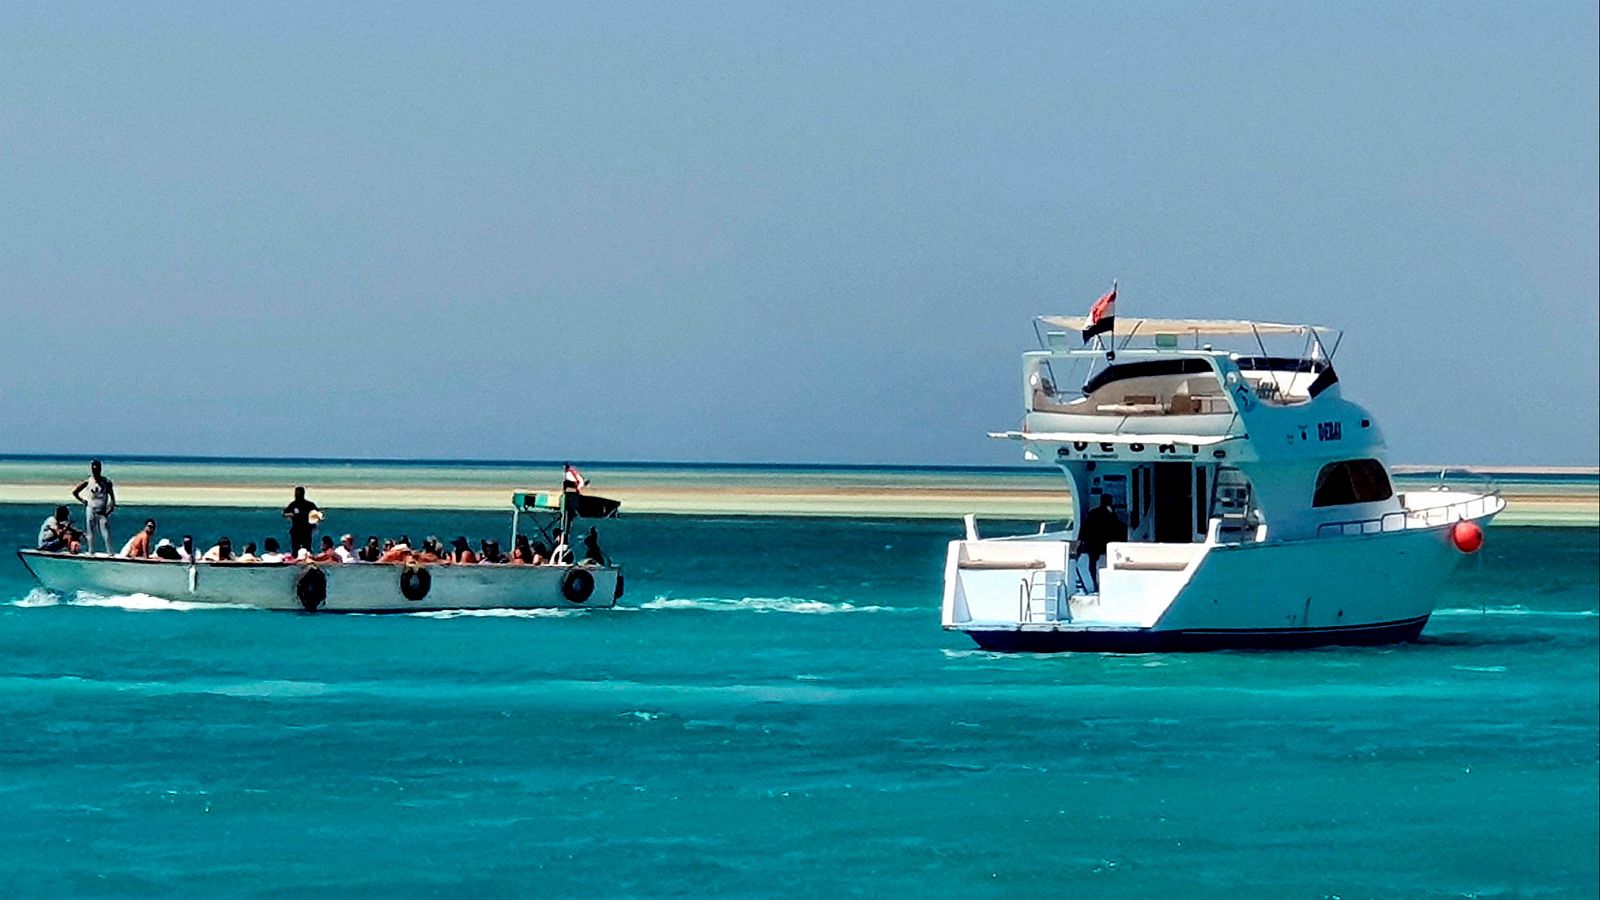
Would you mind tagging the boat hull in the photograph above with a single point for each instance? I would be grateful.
(1150, 640)
(364, 587)
(1368, 589)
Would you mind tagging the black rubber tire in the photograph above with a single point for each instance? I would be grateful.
(415, 582)
(577, 585)
(617, 595)
(312, 589)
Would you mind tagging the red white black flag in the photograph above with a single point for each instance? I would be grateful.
(1102, 316)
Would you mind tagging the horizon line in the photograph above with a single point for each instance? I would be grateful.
(1398, 468)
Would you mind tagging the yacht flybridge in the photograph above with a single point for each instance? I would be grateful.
(1253, 506)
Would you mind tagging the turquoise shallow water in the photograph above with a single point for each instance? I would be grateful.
(780, 713)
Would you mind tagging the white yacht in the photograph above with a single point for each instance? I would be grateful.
(1253, 502)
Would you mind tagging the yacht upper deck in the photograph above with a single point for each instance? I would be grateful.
(1176, 367)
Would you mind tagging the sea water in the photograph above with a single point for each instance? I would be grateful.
(776, 711)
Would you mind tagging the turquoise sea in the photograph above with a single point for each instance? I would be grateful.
(778, 712)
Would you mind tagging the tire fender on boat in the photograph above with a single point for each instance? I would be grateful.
(617, 594)
(415, 582)
(312, 588)
(577, 585)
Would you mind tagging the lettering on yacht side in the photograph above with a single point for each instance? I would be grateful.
(1328, 431)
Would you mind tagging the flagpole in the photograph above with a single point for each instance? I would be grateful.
(1111, 349)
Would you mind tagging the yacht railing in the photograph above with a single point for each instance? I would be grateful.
(1417, 517)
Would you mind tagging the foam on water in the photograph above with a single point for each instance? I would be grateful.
(499, 613)
(39, 597)
(36, 598)
(761, 604)
(1517, 610)
(146, 603)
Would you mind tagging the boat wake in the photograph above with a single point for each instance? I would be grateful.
(498, 613)
(1518, 610)
(39, 597)
(761, 604)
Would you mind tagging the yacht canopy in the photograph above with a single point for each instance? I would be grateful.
(1097, 437)
(1185, 326)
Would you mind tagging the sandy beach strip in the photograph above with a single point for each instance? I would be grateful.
(987, 496)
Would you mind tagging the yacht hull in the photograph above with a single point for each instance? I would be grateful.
(1359, 590)
(1150, 640)
(364, 587)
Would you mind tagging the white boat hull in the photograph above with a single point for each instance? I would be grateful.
(1361, 589)
(365, 587)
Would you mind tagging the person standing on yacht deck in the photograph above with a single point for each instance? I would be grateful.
(98, 506)
(299, 513)
(1100, 527)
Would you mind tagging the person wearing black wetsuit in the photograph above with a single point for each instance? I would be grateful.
(1100, 527)
(298, 512)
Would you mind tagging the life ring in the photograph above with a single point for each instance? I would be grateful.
(415, 582)
(312, 588)
(617, 595)
(577, 585)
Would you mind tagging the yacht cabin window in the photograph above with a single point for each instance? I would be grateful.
(1351, 481)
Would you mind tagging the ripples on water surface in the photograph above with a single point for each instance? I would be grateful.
(780, 712)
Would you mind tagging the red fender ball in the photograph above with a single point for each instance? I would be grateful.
(1467, 536)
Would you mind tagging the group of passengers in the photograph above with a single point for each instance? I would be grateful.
(59, 535)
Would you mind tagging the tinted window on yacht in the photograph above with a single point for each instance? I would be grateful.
(1352, 481)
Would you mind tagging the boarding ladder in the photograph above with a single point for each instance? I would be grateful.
(1041, 600)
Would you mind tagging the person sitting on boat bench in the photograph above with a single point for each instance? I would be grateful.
(57, 534)
(432, 552)
(521, 551)
(346, 551)
(592, 554)
(327, 553)
(138, 546)
(222, 552)
(1100, 527)
(560, 554)
(165, 550)
(397, 551)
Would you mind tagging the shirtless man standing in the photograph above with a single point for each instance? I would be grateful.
(99, 505)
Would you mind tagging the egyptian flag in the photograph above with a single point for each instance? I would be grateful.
(1102, 316)
(573, 480)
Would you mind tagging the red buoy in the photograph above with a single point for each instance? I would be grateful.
(1467, 536)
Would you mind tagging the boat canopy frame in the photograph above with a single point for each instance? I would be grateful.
(1317, 345)
(1217, 327)
(560, 507)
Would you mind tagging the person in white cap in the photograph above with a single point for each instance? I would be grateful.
(346, 551)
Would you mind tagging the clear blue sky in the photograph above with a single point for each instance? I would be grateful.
(785, 232)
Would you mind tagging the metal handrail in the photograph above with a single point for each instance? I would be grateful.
(1025, 594)
(1423, 517)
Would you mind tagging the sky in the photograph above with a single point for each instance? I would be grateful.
(786, 232)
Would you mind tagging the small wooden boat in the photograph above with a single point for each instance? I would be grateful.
(356, 587)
